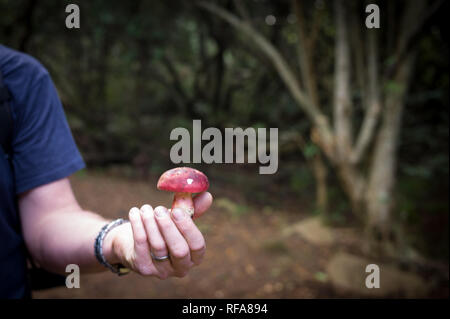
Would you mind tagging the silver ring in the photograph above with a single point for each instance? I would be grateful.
(156, 258)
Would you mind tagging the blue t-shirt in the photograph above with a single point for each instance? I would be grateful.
(43, 151)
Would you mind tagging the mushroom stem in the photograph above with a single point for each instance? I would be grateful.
(185, 202)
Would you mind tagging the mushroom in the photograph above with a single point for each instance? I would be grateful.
(183, 181)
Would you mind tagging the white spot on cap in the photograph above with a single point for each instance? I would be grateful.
(189, 181)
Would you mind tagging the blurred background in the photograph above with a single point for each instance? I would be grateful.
(363, 135)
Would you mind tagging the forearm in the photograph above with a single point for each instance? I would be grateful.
(58, 232)
(67, 237)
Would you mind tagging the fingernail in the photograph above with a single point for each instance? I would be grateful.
(134, 212)
(178, 214)
(146, 210)
(160, 212)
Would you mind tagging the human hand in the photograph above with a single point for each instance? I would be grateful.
(162, 233)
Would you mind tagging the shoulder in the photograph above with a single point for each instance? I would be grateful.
(20, 70)
(27, 81)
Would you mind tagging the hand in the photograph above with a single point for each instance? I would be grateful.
(163, 233)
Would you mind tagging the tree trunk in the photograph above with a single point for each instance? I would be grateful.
(351, 178)
(320, 175)
(379, 199)
(320, 171)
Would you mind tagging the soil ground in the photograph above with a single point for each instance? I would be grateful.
(247, 255)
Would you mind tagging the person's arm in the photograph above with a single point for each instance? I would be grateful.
(58, 232)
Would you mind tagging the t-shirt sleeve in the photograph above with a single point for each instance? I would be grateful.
(43, 147)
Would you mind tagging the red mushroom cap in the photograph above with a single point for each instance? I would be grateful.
(183, 180)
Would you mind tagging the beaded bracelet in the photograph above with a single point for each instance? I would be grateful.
(118, 269)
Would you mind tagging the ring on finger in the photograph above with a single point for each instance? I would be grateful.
(156, 258)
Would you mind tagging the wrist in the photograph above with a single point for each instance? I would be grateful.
(109, 246)
(104, 248)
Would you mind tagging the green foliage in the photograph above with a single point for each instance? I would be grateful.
(339, 211)
(301, 180)
(236, 210)
(321, 276)
(393, 87)
(310, 150)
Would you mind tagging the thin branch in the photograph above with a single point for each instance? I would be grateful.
(359, 54)
(305, 54)
(176, 96)
(177, 84)
(27, 21)
(410, 39)
(242, 11)
(284, 70)
(342, 102)
(317, 19)
(373, 100)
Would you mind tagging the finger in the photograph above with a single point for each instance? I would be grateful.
(141, 245)
(157, 244)
(191, 233)
(201, 203)
(177, 245)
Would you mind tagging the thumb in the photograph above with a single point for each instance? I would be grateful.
(201, 204)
